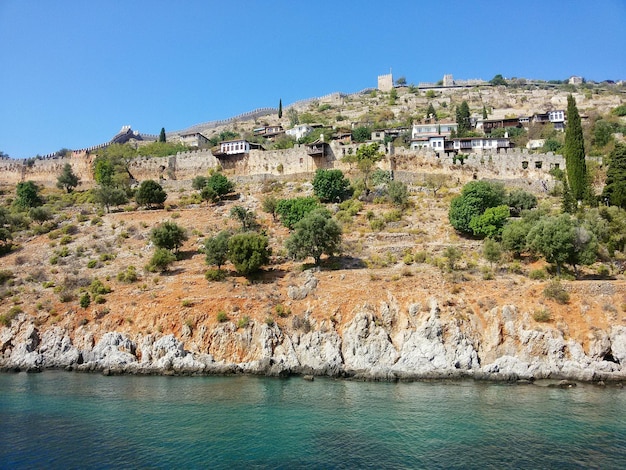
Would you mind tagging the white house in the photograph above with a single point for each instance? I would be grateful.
(431, 135)
(234, 147)
(474, 144)
(557, 118)
(299, 131)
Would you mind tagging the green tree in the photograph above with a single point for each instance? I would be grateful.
(269, 205)
(401, 81)
(108, 196)
(168, 235)
(150, 193)
(199, 182)
(331, 185)
(112, 165)
(519, 200)
(245, 217)
(248, 252)
(27, 195)
(316, 234)
(484, 112)
(492, 251)
(161, 260)
(280, 108)
(430, 112)
(162, 137)
(292, 115)
(514, 236)
(475, 198)
(216, 249)
(463, 119)
(452, 254)
(614, 191)
(602, 133)
(498, 80)
(67, 179)
(574, 153)
(398, 193)
(291, 211)
(39, 214)
(361, 134)
(161, 149)
(209, 195)
(366, 157)
(5, 240)
(491, 222)
(220, 184)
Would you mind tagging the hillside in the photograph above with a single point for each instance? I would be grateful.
(387, 307)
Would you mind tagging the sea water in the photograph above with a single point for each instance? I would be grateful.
(72, 420)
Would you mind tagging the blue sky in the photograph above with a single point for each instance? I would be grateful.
(74, 72)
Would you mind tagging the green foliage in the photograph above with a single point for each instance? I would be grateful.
(316, 234)
(542, 316)
(111, 166)
(475, 198)
(168, 235)
(161, 149)
(519, 200)
(199, 182)
(552, 145)
(215, 275)
(430, 112)
(514, 236)
(269, 204)
(209, 195)
(108, 196)
(162, 137)
(280, 108)
(5, 276)
(365, 158)
(248, 252)
(161, 260)
(84, 300)
(7, 318)
(498, 80)
(555, 291)
(616, 220)
(222, 316)
(615, 189)
(27, 196)
(243, 322)
(602, 133)
(97, 287)
(492, 251)
(398, 193)
(452, 254)
(150, 193)
(128, 276)
(463, 119)
(216, 249)
(490, 223)
(39, 214)
(331, 185)
(380, 177)
(619, 110)
(361, 134)
(220, 184)
(245, 217)
(291, 211)
(574, 153)
(67, 179)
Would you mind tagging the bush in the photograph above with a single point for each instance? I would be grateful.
(85, 300)
(215, 275)
(248, 252)
(315, 235)
(222, 316)
(398, 193)
(555, 291)
(98, 288)
(168, 235)
(7, 318)
(216, 249)
(542, 315)
(538, 274)
(199, 182)
(520, 200)
(476, 197)
(129, 275)
(5, 275)
(150, 193)
(291, 211)
(243, 322)
(161, 260)
(220, 184)
(282, 311)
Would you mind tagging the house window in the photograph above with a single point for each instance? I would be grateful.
(538, 165)
(524, 165)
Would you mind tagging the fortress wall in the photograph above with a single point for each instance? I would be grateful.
(45, 171)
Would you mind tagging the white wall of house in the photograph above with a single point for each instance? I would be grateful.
(299, 131)
(234, 147)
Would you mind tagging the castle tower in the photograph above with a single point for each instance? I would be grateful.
(448, 80)
(385, 82)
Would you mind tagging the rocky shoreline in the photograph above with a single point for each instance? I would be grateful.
(382, 344)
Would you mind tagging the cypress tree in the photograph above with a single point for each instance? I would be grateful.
(615, 189)
(431, 111)
(574, 152)
(280, 108)
(162, 135)
(463, 119)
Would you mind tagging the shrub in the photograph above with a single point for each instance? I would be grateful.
(150, 193)
(538, 274)
(6, 318)
(475, 198)
(5, 275)
(282, 311)
(168, 235)
(398, 193)
(248, 252)
(98, 288)
(215, 275)
(542, 316)
(129, 275)
(555, 291)
(222, 316)
(316, 234)
(243, 322)
(269, 321)
(220, 184)
(199, 182)
(161, 260)
(85, 300)
(291, 211)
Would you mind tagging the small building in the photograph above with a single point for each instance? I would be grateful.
(300, 130)
(269, 132)
(237, 147)
(488, 125)
(382, 134)
(193, 139)
(575, 80)
(319, 148)
(478, 144)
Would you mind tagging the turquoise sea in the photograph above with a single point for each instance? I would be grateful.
(71, 420)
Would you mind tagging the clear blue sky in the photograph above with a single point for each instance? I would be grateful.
(74, 72)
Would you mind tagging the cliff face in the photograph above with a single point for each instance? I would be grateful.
(386, 342)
